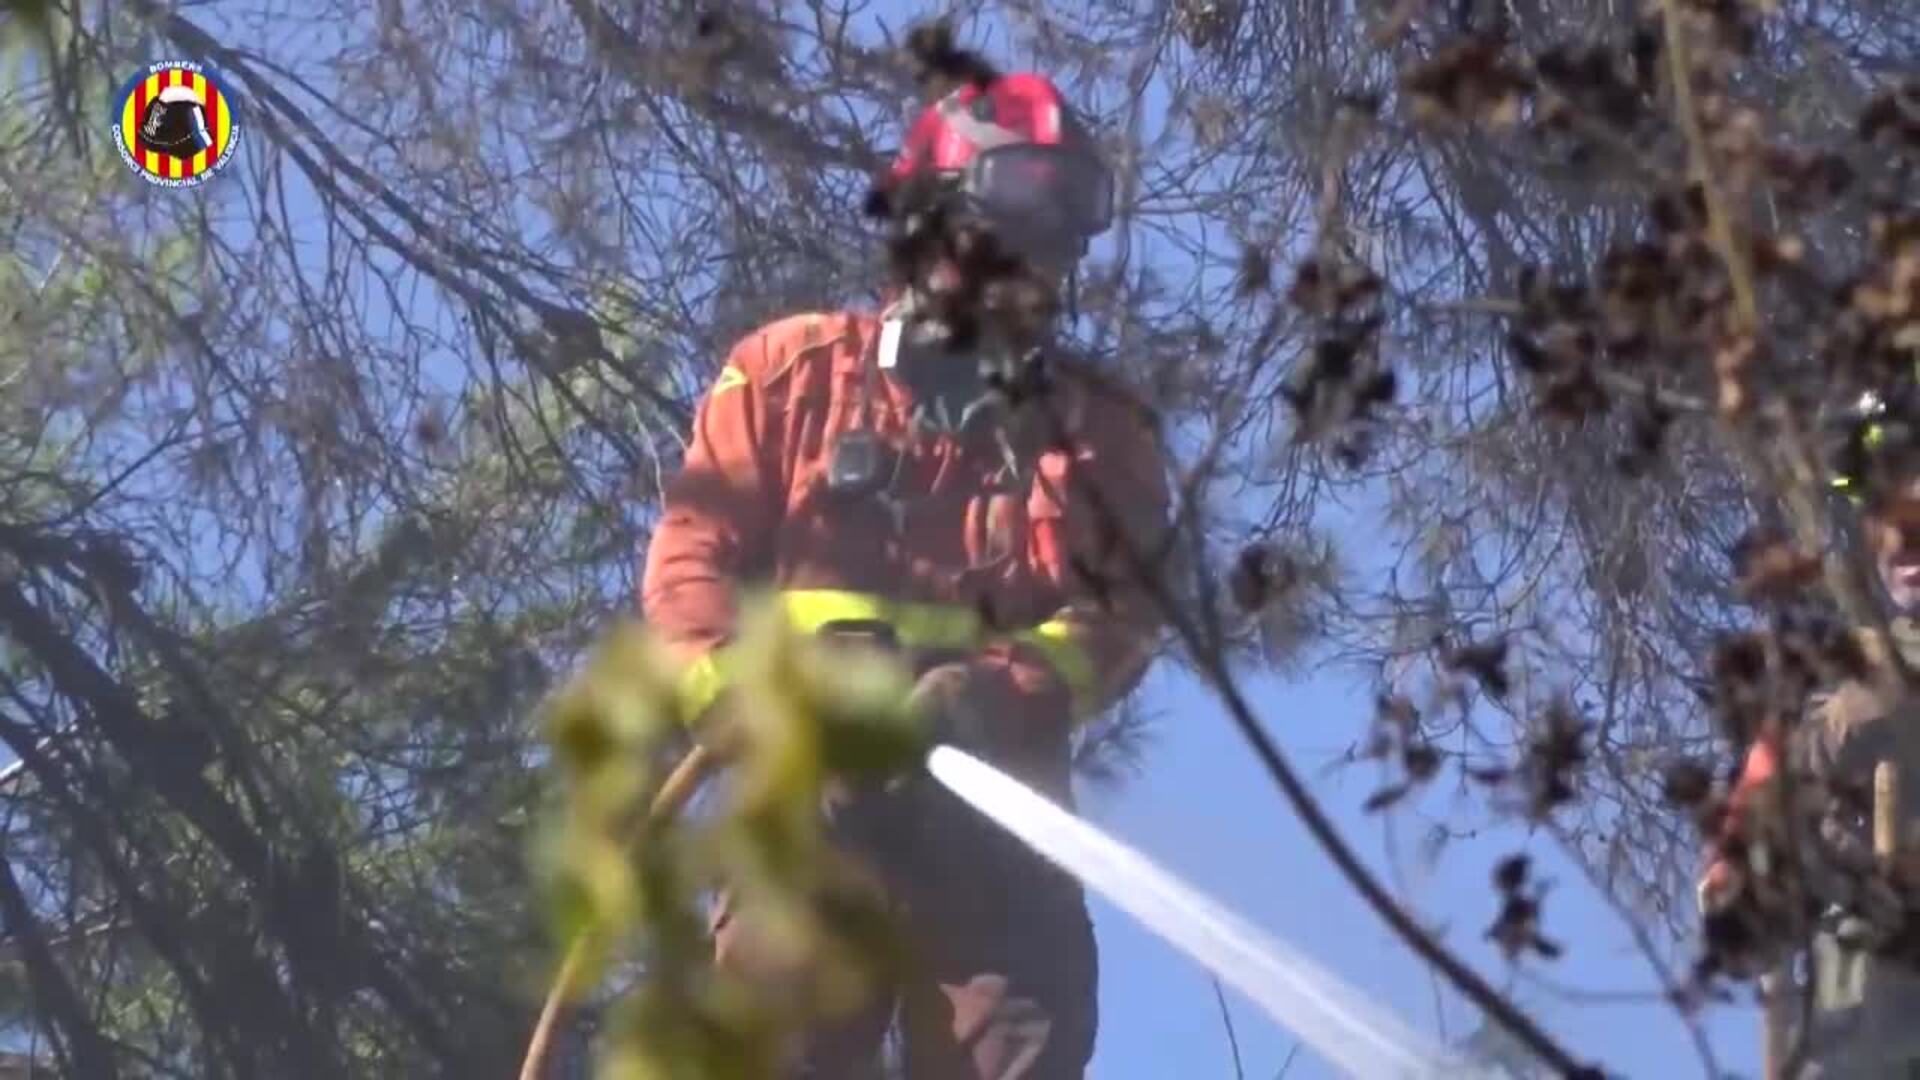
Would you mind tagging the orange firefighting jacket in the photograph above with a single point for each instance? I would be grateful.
(1009, 567)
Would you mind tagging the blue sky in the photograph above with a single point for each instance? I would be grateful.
(1203, 808)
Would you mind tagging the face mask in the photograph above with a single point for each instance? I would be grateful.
(952, 390)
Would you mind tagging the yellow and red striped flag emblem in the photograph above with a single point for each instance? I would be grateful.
(216, 108)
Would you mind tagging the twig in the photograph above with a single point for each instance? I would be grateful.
(1719, 222)
(1226, 1019)
(1641, 387)
(1287, 1065)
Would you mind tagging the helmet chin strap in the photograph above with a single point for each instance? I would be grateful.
(903, 324)
(952, 389)
(902, 327)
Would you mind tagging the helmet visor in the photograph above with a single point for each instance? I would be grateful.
(1044, 187)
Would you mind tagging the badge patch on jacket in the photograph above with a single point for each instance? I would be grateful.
(730, 378)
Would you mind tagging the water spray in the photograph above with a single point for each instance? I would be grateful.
(1334, 1019)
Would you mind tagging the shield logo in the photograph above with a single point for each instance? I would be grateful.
(176, 124)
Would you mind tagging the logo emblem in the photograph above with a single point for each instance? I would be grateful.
(176, 124)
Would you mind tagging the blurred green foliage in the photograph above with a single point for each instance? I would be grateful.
(799, 714)
(27, 24)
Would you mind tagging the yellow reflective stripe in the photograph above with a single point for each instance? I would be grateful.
(919, 626)
(1057, 640)
(700, 685)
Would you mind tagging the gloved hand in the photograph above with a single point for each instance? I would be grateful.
(1872, 915)
(948, 699)
(1719, 887)
(977, 706)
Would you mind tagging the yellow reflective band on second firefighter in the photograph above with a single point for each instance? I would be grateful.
(1870, 439)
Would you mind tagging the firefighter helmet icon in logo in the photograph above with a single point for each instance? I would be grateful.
(176, 124)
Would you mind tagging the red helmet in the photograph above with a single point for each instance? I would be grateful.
(1017, 154)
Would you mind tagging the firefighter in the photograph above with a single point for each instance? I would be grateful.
(884, 485)
(1866, 989)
